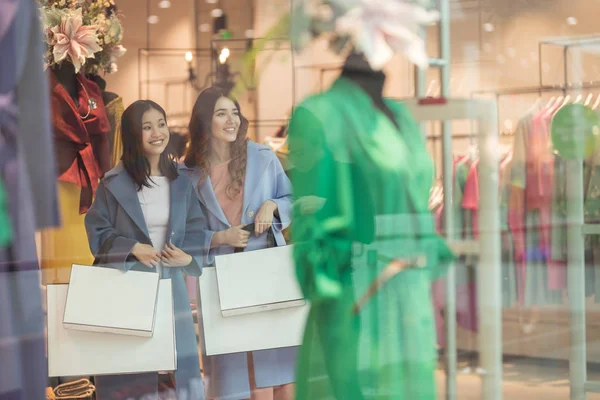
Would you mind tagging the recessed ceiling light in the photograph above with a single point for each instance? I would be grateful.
(164, 4)
(488, 27)
(153, 19)
(216, 13)
(572, 21)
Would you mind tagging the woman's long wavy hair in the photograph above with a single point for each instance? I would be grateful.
(200, 144)
(133, 158)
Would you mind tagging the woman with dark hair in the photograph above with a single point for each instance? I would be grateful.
(146, 217)
(240, 184)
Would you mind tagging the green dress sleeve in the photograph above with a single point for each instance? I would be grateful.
(325, 223)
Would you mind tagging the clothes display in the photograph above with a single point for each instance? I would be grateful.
(540, 281)
(374, 175)
(81, 140)
(28, 175)
(591, 210)
(466, 226)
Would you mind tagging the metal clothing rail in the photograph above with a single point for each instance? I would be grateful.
(577, 229)
(488, 246)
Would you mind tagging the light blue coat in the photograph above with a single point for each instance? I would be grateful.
(227, 375)
(117, 210)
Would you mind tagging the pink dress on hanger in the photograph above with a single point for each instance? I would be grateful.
(466, 310)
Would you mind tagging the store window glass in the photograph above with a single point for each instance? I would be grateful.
(299, 199)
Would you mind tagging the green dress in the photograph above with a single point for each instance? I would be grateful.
(362, 189)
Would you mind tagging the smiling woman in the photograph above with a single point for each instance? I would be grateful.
(146, 218)
(241, 185)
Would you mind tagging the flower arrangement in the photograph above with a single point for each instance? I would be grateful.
(376, 28)
(86, 33)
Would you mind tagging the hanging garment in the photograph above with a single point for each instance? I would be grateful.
(375, 180)
(27, 171)
(466, 313)
(81, 144)
(591, 202)
(83, 157)
(114, 111)
(530, 210)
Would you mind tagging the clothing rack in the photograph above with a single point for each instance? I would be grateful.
(576, 231)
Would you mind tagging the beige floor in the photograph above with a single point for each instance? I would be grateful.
(524, 379)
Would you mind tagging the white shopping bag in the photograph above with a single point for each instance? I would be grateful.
(83, 353)
(112, 301)
(251, 301)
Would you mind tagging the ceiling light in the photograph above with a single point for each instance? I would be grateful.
(216, 13)
(488, 27)
(572, 21)
(212, 1)
(225, 52)
(164, 4)
(188, 56)
(153, 19)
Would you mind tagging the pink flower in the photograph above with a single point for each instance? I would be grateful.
(75, 40)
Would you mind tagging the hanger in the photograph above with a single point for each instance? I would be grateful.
(551, 101)
(589, 99)
(597, 103)
(536, 104)
(578, 99)
(473, 152)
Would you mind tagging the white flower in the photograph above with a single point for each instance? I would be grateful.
(117, 51)
(112, 68)
(380, 28)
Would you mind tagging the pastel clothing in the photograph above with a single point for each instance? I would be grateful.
(227, 375)
(155, 201)
(231, 206)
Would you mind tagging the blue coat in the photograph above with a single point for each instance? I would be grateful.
(117, 210)
(227, 375)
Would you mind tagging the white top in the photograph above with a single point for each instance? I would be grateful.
(155, 202)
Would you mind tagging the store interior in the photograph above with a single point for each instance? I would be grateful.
(514, 52)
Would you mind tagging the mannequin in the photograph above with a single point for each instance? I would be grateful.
(81, 129)
(65, 74)
(372, 185)
(357, 69)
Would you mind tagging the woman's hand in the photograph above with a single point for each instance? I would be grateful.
(236, 237)
(264, 217)
(174, 257)
(146, 254)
